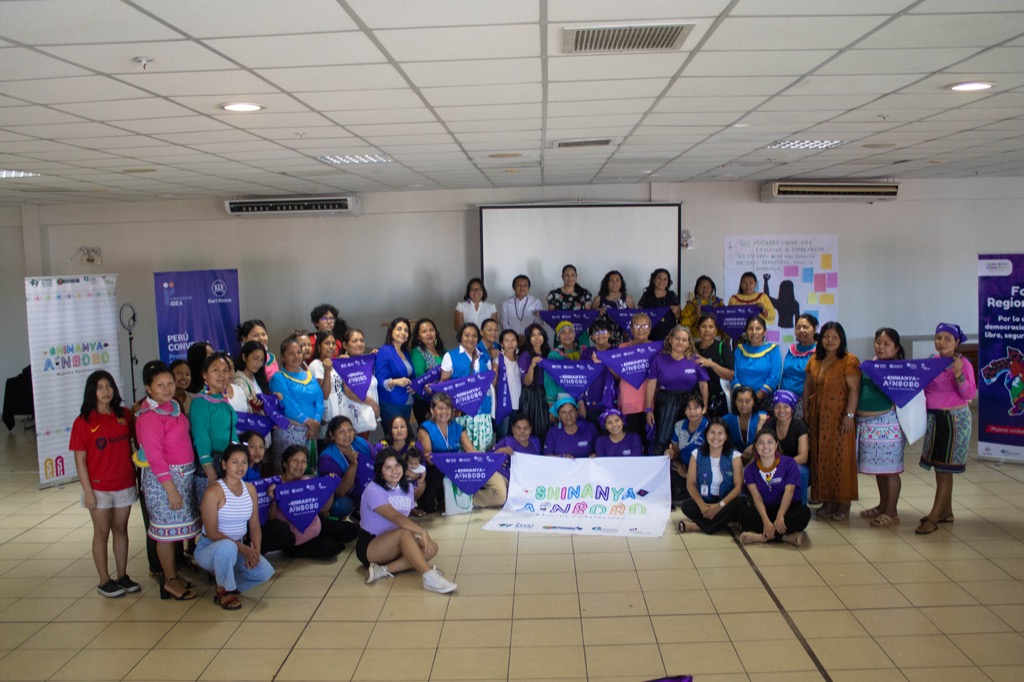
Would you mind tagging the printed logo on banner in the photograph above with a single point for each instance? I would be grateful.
(263, 498)
(420, 383)
(581, 319)
(356, 372)
(467, 393)
(632, 362)
(219, 288)
(301, 501)
(469, 471)
(573, 377)
(901, 380)
(732, 319)
(196, 305)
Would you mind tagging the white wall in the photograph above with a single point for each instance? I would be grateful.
(905, 264)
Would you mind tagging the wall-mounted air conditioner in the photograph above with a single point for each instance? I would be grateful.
(294, 206)
(818, 192)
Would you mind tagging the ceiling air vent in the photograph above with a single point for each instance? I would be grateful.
(584, 143)
(294, 205)
(815, 192)
(639, 38)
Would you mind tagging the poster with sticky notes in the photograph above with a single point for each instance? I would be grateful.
(797, 274)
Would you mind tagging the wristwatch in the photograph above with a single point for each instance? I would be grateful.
(850, 415)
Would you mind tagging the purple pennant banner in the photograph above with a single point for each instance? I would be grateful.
(573, 377)
(503, 408)
(301, 501)
(262, 498)
(632, 362)
(732, 319)
(469, 471)
(364, 471)
(272, 409)
(581, 319)
(356, 372)
(248, 421)
(901, 380)
(623, 316)
(468, 392)
(419, 384)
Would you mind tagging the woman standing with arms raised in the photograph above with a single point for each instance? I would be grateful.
(427, 353)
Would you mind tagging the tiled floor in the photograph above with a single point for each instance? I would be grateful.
(857, 603)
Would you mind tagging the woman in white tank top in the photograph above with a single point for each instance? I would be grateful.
(229, 512)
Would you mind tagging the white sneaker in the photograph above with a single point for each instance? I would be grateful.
(376, 572)
(435, 582)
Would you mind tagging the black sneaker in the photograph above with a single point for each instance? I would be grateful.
(110, 589)
(128, 584)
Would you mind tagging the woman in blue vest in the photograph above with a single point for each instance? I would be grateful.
(714, 479)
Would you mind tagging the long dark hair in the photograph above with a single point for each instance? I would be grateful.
(545, 347)
(378, 469)
(727, 446)
(243, 330)
(895, 336)
(195, 357)
(91, 385)
(654, 275)
(704, 278)
(469, 285)
(820, 351)
(391, 330)
(602, 292)
(248, 348)
(415, 336)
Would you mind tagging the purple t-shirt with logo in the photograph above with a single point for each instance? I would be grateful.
(786, 473)
(630, 446)
(375, 496)
(579, 444)
(675, 375)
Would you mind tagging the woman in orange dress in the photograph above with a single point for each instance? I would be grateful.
(831, 391)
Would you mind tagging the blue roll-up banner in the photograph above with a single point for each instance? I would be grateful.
(196, 305)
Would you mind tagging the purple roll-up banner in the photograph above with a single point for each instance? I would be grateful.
(623, 316)
(272, 409)
(732, 319)
(419, 384)
(468, 392)
(469, 471)
(248, 421)
(195, 305)
(356, 372)
(262, 498)
(581, 319)
(1001, 357)
(301, 501)
(901, 380)
(572, 376)
(632, 362)
(503, 407)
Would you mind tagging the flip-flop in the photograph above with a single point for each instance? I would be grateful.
(872, 513)
(944, 519)
(883, 520)
(925, 530)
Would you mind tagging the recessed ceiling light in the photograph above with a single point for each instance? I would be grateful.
(241, 107)
(504, 155)
(805, 144)
(347, 159)
(972, 86)
(4, 174)
(740, 125)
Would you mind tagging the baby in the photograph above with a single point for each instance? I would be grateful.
(415, 473)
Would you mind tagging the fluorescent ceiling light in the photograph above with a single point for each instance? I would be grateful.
(972, 86)
(355, 158)
(242, 107)
(4, 174)
(805, 144)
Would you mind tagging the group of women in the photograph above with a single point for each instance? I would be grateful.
(807, 423)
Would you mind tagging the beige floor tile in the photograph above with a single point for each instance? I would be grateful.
(355, 586)
(64, 635)
(65, 587)
(947, 549)
(13, 634)
(729, 577)
(245, 664)
(100, 664)
(935, 594)
(1012, 614)
(481, 584)
(957, 620)
(889, 622)
(992, 648)
(504, 544)
(875, 675)
(546, 606)
(171, 664)
(544, 583)
(300, 586)
(485, 663)
(131, 635)
(919, 651)
(417, 634)
(817, 554)
(349, 608)
(1013, 566)
(850, 574)
(742, 600)
(545, 632)
(621, 630)
(827, 624)
(545, 563)
(1004, 673)
(791, 576)
(889, 552)
(498, 563)
(463, 607)
(469, 633)
(587, 562)
(700, 658)
(339, 664)
(678, 602)
(93, 607)
(625, 661)
(38, 568)
(950, 674)
(778, 656)
(995, 591)
(750, 627)
(608, 581)
(16, 588)
(849, 653)
(718, 558)
(35, 610)
(197, 636)
(668, 579)
(534, 544)
(29, 665)
(582, 544)
(332, 635)
(555, 662)
(808, 599)
(657, 561)
(277, 609)
(912, 572)
(980, 569)
(870, 596)
(612, 604)
(423, 605)
(693, 628)
(791, 676)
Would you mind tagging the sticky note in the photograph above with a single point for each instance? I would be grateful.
(826, 261)
(788, 338)
(827, 299)
(819, 281)
(831, 279)
(813, 312)
(791, 271)
(808, 275)
(812, 298)
(772, 335)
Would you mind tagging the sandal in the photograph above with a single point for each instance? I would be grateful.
(841, 512)
(186, 595)
(927, 526)
(684, 529)
(826, 509)
(872, 513)
(227, 599)
(883, 520)
(944, 519)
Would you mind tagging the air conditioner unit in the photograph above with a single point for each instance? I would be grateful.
(294, 206)
(818, 192)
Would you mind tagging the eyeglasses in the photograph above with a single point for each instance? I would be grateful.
(327, 318)
(600, 332)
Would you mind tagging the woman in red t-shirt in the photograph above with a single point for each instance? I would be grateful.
(101, 440)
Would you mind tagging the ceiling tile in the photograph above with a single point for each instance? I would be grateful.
(203, 19)
(335, 78)
(80, 89)
(445, 44)
(491, 112)
(638, 10)
(382, 116)
(225, 83)
(12, 116)
(715, 118)
(473, 72)
(812, 7)
(781, 33)
(172, 125)
(197, 138)
(122, 110)
(882, 61)
(403, 13)
(852, 85)
(398, 129)
(362, 99)
(316, 49)
(63, 131)
(530, 124)
(484, 94)
(947, 30)
(581, 67)
(117, 58)
(268, 120)
(62, 22)
(756, 63)
(275, 103)
(18, 64)
(605, 90)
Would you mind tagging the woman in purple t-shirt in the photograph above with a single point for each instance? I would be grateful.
(617, 442)
(388, 541)
(673, 377)
(573, 437)
(772, 481)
